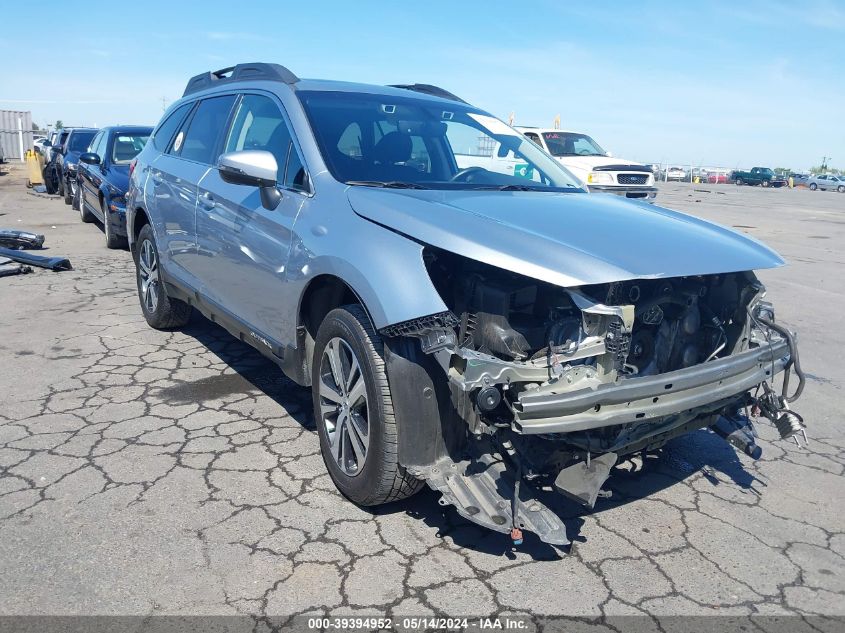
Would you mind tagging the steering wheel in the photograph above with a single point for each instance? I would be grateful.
(463, 174)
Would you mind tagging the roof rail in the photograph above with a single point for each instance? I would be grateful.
(428, 89)
(241, 72)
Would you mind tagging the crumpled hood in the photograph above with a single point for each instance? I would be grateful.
(567, 239)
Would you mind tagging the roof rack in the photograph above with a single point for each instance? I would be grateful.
(241, 72)
(428, 89)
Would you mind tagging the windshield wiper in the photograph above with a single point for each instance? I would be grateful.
(390, 184)
(512, 187)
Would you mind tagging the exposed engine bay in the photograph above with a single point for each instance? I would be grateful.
(554, 385)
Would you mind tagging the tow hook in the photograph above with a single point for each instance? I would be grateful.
(738, 431)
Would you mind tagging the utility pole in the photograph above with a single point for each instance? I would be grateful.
(824, 163)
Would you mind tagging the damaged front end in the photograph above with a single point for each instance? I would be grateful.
(523, 388)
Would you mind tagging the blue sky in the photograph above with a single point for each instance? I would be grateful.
(717, 83)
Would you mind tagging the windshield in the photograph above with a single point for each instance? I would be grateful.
(127, 146)
(409, 142)
(572, 144)
(79, 141)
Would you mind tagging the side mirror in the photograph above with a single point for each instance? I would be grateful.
(253, 168)
(89, 158)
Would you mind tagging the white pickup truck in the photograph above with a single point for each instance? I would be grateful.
(585, 158)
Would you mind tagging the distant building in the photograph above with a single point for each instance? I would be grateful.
(15, 133)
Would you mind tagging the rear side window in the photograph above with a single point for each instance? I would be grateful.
(166, 129)
(208, 123)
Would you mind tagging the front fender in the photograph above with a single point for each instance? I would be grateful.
(389, 277)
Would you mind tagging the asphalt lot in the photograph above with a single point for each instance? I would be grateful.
(145, 473)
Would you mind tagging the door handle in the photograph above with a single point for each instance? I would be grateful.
(207, 200)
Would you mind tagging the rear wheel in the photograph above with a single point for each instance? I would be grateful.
(353, 410)
(161, 311)
(813, 186)
(765, 183)
(738, 181)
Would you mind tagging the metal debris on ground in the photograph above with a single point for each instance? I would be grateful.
(51, 263)
(11, 238)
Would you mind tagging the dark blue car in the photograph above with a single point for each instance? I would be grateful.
(104, 178)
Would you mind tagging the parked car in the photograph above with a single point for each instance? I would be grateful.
(675, 173)
(67, 160)
(51, 171)
(762, 176)
(585, 158)
(827, 182)
(717, 177)
(799, 179)
(103, 177)
(480, 331)
(40, 145)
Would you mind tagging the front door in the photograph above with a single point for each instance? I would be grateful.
(242, 248)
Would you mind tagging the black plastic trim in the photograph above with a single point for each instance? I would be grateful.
(242, 72)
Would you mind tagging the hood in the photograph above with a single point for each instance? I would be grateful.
(583, 164)
(567, 239)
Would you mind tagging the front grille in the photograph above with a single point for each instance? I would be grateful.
(632, 179)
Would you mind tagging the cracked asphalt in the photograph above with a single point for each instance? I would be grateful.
(145, 472)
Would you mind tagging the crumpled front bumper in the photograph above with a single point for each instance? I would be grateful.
(547, 410)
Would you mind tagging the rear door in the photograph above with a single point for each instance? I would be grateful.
(242, 247)
(175, 175)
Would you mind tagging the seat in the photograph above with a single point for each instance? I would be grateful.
(124, 151)
(390, 154)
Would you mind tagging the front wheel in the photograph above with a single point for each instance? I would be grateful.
(353, 410)
(68, 191)
(813, 186)
(841, 188)
(113, 241)
(161, 311)
(76, 203)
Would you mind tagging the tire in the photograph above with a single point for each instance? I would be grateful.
(112, 241)
(164, 312)
(381, 479)
(738, 181)
(67, 191)
(813, 186)
(765, 183)
(76, 203)
(841, 188)
(84, 214)
(60, 184)
(49, 180)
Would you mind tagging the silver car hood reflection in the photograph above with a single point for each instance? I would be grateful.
(567, 239)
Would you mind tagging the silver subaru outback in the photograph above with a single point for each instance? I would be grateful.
(465, 314)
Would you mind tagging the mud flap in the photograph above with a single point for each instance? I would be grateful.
(482, 491)
(582, 483)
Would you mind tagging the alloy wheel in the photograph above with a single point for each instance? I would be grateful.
(148, 274)
(343, 406)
